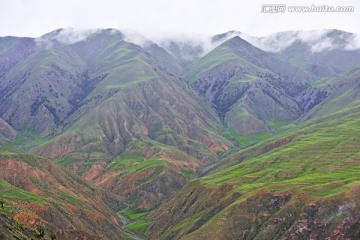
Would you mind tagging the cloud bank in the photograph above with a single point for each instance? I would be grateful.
(197, 45)
(317, 40)
(65, 36)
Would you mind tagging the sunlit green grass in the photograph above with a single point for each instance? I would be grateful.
(139, 227)
(126, 160)
(24, 141)
(246, 140)
(133, 215)
(323, 159)
(317, 160)
(13, 193)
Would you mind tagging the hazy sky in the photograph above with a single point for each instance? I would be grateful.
(158, 17)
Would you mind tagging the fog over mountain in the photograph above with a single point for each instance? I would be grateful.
(317, 40)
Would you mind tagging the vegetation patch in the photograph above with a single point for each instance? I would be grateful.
(139, 227)
(188, 173)
(246, 140)
(324, 162)
(25, 141)
(11, 192)
(126, 160)
(133, 215)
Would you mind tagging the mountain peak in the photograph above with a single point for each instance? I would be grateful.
(224, 36)
(240, 45)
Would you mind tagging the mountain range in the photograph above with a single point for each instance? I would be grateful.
(106, 135)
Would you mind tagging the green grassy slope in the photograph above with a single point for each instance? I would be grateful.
(113, 112)
(136, 98)
(271, 194)
(37, 192)
(133, 106)
(123, 88)
(340, 99)
(248, 88)
(342, 90)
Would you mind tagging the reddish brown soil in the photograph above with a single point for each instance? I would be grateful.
(72, 202)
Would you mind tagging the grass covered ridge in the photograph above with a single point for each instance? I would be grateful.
(323, 159)
(274, 187)
(13, 193)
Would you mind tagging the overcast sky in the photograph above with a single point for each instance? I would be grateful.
(155, 18)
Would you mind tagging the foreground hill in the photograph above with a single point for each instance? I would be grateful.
(36, 192)
(302, 185)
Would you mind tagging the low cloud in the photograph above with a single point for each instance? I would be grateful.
(317, 40)
(324, 44)
(135, 37)
(278, 42)
(312, 36)
(354, 43)
(190, 46)
(196, 46)
(273, 43)
(70, 35)
(65, 36)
